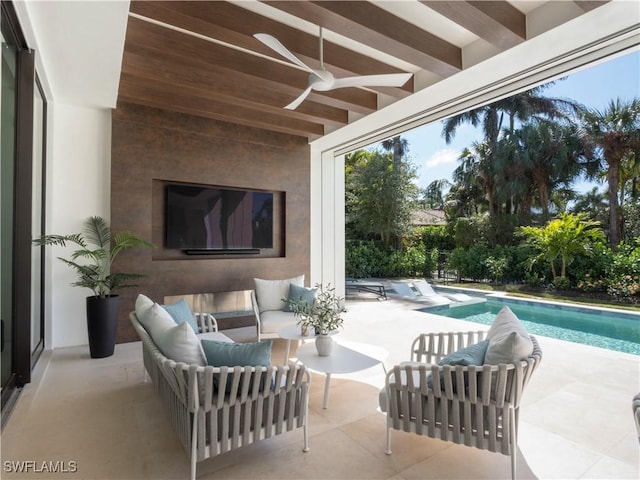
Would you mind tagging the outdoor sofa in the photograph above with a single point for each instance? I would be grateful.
(217, 409)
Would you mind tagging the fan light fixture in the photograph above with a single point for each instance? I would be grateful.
(322, 80)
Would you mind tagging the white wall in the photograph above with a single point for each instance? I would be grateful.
(78, 169)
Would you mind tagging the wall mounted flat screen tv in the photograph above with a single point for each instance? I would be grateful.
(208, 218)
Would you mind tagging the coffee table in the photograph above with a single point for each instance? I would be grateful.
(347, 357)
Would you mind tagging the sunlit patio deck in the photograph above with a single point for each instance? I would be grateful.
(575, 421)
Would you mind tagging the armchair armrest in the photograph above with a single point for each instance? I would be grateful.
(256, 312)
(432, 347)
(206, 322)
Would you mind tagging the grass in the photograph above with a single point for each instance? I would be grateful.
(522, 291)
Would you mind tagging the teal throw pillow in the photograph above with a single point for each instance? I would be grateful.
(180, 312)
(225, 354)
(471, 355)
(299, 294)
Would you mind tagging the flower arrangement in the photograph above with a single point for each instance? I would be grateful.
(324, 314)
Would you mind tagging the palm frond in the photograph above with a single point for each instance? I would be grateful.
(124, 240)
(97, 232)
(60, 240)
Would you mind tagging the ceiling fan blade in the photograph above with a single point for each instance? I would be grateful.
(274, 44)
(293, 105)
(384, 80)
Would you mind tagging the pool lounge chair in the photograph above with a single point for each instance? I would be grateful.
(426, 290)
(404, 290)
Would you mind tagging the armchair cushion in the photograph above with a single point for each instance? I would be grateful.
(471, 355)
(509, 341)
(273, 320)
(299, 294)
(181, 313)
(270, 294)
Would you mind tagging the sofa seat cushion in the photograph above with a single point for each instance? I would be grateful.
(272, 321)
(215, 336)
(272, 294)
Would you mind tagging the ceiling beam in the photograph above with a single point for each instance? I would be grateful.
(588, 5)
(231, 87)
(235, 25)
(166, 40)
(158, 95)
(497, 22)
(373, 26)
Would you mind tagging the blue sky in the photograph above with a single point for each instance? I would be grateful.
(594, 87)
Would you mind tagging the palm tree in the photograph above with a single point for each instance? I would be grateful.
(549, 154)
(398, 145)
(433, 195)
(615, 135)
(500, 117)
(564, 238)
(521, 107)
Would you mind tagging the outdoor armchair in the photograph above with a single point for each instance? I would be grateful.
(475, 405)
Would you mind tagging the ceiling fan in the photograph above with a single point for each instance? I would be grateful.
(322, 80)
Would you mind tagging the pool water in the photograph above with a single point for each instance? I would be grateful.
(599, 328)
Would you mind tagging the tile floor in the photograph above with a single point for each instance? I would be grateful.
(575, 420)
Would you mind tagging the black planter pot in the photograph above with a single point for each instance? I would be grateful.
(102, 323)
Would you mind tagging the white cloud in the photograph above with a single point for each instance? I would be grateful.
(443, 157)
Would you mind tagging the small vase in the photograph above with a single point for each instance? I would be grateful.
(324, 345)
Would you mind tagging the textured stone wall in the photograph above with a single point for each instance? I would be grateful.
(151, 147)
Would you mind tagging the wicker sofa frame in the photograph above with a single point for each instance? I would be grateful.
(210, 422)
(466, 409)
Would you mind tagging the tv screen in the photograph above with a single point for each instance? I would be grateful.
(214, 218)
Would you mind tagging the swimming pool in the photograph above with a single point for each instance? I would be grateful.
(599, 328)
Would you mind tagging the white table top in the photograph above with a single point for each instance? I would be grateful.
(346, 357)
(292, 332)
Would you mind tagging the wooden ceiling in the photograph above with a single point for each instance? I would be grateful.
(201, 58)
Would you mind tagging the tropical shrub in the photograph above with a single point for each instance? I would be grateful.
(364, 259)
(588, 272)
(468, 231)
(562, 239)
(496, 267)
(561, 283)
(623, 275)
(436, 236)
(470, 262)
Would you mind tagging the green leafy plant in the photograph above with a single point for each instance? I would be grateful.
(324, 314)
(563, 239)
(98, 248)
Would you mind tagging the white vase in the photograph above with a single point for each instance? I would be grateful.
(324, 345)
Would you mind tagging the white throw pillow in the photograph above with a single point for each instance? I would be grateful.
(270, 293)
(143, 303)
(180, 344)
(156, 319)
(508, 339)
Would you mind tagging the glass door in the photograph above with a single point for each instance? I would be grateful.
(7, 208)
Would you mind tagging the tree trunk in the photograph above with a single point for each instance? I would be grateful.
(613, 178)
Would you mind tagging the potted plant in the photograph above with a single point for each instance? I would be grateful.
(92, 262)
(324, 315)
